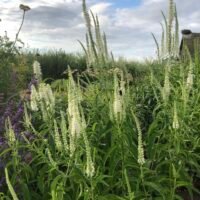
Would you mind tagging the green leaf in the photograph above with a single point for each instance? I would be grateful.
(111, 197)
(54, 187)
(155, 187)
(26, 192)
(10, 187)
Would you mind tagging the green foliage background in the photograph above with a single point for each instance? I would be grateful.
(161, 111)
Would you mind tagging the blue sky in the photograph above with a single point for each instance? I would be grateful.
(125, 3)
(128, 24)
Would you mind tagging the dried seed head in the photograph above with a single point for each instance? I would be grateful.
(24, 7)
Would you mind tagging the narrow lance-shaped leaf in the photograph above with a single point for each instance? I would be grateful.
(162, 41)
(166, 31)
(100, 41)
(86, 53)
(89, 27)
(10, 187)
(105, 46)
(157, 45)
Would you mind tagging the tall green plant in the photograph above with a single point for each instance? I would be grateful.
(169, 45)
(96, 49)
(9, 54)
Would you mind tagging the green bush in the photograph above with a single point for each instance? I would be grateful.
(54, 63)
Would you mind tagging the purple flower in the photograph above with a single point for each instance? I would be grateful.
(2, 178)
(7, 113)
(34, 82)
(1, 140)
(19, 114)
(2, 181)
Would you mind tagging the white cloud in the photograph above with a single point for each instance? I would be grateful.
(59, 24)
(100, 8)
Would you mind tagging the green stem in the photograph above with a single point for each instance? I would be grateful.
(17, 35)
(122, 149)
(92, 189)
(142, 179)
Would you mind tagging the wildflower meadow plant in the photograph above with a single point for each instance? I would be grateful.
(117, 110)
(96, 50)
(190, 76)
(41, 96)
(100, 136)
(166, 88)
(175, 124)
(37, 71)
(74, 117)
(169, 45)
(140, 152)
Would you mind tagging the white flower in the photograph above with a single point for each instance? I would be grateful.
(34, 98)
(64, 131)
(166, 88)
(75, 126)
(189, 82)
(37, 70)
(190, 76)
(57, 138)
(141, 159)
(117, 107)
(90, 170)
(117, 112)
(175, 123)
(46, 94)
(74, 117)
(10, 132)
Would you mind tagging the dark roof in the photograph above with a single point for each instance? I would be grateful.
(190, 40)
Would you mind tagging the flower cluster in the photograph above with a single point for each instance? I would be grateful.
(37, 71)
(74, 117)
(190, 77)
(117, 110)
(77, 123)
(175, 123)
(166, 87)
(43, 99)
(141, 159)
